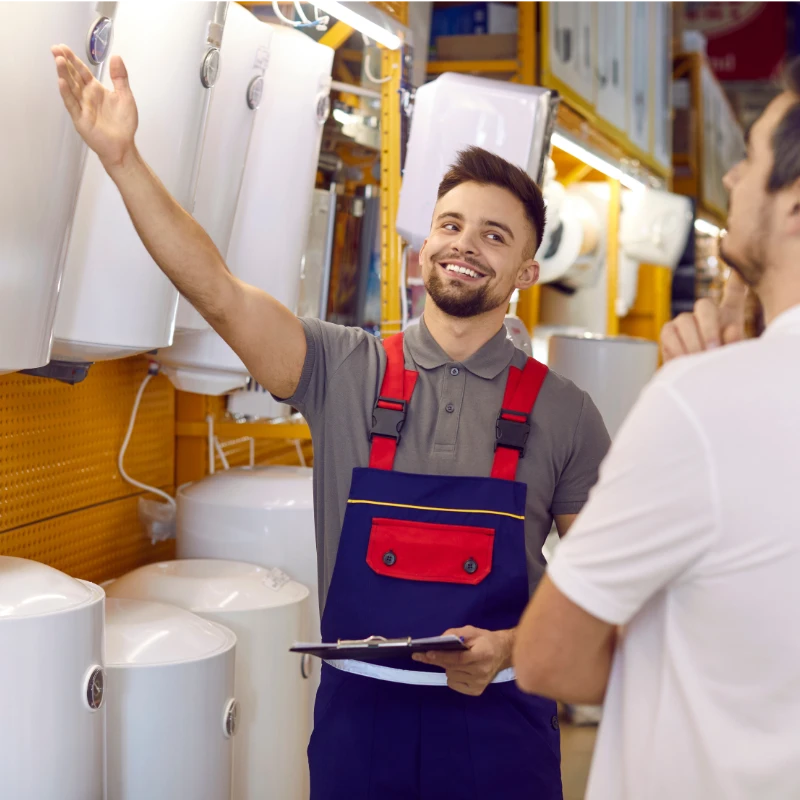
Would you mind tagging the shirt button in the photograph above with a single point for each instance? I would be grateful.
(554, 723)
(454, 371)
(449, 408)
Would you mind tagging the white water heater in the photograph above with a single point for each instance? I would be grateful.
(40, 167)
(268, 612)
(172, 713)
(455, 111)
(274, 210)
(52, 715)
(264, 516)
(114, 300)
(234, 108)
(612, 369)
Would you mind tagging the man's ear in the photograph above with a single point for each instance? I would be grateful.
(793, 217)
(528, 274)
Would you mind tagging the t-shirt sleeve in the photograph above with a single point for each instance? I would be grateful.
(590, 443)
(328, 346)
(651, 517)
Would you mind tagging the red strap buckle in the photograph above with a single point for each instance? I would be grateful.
(512, 430)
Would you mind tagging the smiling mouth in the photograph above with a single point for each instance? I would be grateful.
(458, 269)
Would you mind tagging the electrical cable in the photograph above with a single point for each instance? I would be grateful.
(152, 372)
(367, 68)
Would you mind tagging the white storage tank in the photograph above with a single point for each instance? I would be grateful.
(51, 684)
(172, 713)
(274, 211)
(264, 516)
(268, 612)
(42, 158)
(114, 300)
(612, 369)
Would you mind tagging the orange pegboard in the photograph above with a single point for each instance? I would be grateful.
(95, 544)
(59, 444)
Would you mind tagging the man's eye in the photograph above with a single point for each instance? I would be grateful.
(450, 226)
(496, 237)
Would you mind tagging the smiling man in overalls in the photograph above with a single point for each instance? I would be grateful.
(440, 461)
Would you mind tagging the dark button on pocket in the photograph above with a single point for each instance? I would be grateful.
(554, 723)
(449, 408)
(471, 566)
(389, 559)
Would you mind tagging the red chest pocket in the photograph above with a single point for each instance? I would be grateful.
(423, 551)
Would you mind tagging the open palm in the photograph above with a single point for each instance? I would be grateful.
(106, 120)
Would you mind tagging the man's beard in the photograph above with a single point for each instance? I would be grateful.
(752, 263)
(458, 299)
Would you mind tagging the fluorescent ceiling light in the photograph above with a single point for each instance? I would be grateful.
(701, 226)
(360, 23)
(595, 162)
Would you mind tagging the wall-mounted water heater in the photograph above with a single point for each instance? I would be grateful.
(40, 167)
(114, 300)
(272, 216)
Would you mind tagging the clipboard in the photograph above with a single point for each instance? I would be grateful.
(377, 647)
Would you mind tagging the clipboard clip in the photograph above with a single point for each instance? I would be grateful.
(371, 641)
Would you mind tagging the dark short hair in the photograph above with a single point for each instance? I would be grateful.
(786, 137)
(480, 166)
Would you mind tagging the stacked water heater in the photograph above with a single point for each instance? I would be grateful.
(114, 300)
(267, 611)
(172, 713)
(40, 168)
(268, 234)
(53, 718)
(261, 516)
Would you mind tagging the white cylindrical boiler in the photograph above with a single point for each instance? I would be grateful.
(52, 714)
(234, 107)
(262, 516)
(268, 612)
(172, 713)
(612, 369)
(274, 210)
(40, 167)
(114, 300)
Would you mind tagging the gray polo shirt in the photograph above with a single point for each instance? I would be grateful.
(449, 428)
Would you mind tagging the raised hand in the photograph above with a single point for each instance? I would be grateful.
(709, 326)
(106, 120)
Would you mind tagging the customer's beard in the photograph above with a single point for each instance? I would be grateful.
(750, 269)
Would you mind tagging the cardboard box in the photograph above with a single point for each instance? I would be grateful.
(480, 47)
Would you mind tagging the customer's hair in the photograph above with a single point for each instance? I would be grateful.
(786, 138)
(480, 166)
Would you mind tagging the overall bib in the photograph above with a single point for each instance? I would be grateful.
(420, 554)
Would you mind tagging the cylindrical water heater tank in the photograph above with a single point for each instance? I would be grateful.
(114, 300)
(171, 707)
(274, 210)
(51, 684)
(268, 612)
(612, 369)
(234, 106)
(262, 516)
(39, 169)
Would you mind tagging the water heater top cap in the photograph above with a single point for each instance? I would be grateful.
(601, 337)
(29, 589)
(142, 633)
(208, 585)
(289, 488)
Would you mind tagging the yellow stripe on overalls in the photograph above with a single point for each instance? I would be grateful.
(431, 508)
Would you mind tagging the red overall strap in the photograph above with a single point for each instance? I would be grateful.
(389, 413)
(513, 424)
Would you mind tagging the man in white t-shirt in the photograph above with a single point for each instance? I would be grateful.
(676, 594)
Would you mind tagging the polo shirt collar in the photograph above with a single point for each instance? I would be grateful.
(787, 322)
(487, 363)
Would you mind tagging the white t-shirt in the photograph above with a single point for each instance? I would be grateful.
(691, 539)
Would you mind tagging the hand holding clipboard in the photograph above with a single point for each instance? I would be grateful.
(377, 647)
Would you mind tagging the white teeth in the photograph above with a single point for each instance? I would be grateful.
(462, 270)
